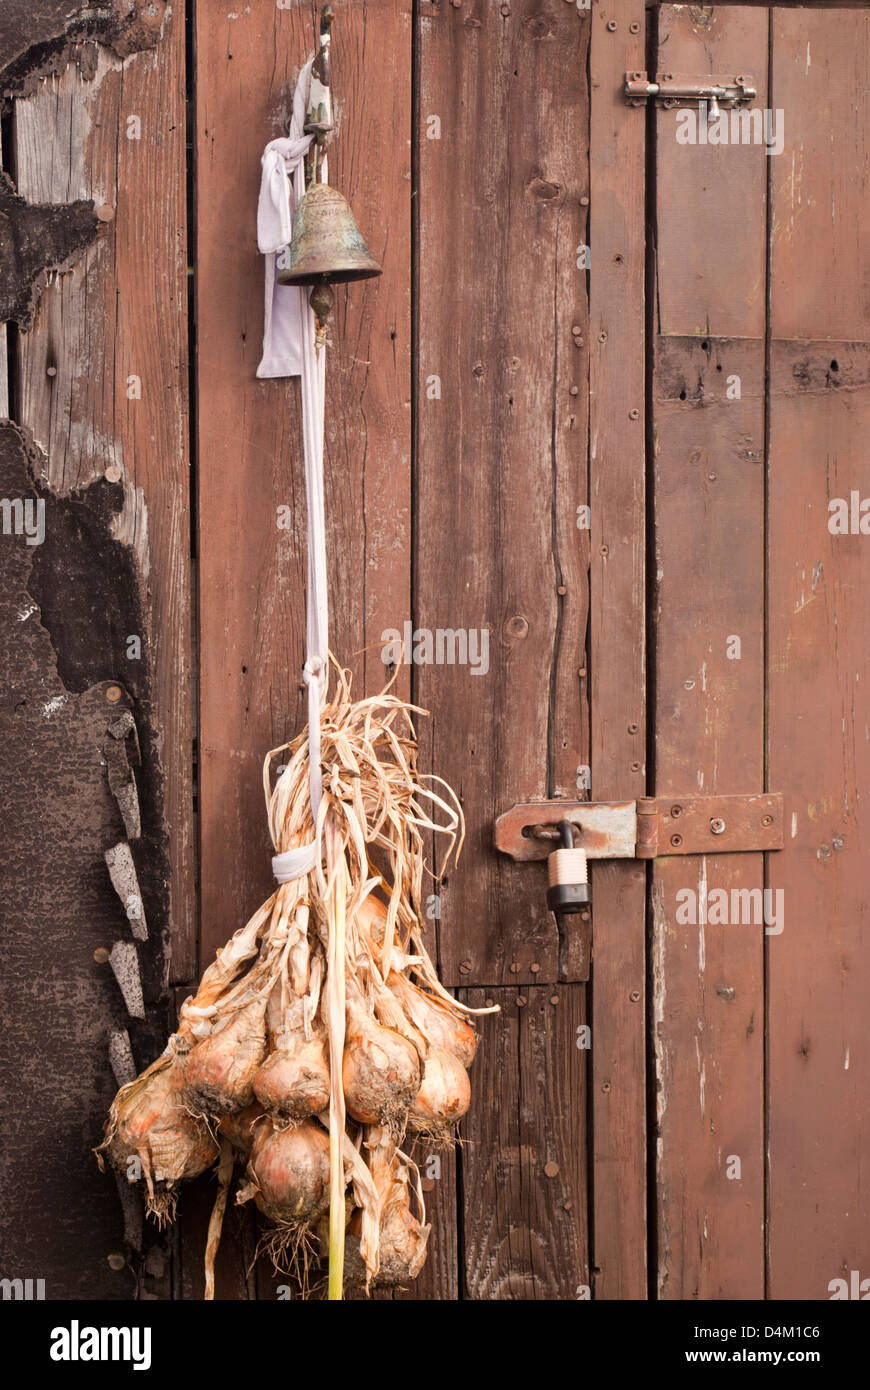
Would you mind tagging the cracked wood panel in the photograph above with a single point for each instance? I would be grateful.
(251, 574)
(819, 998)
(524, 1148)
(502, 451)
(103, 386)
(617, 647)
(708, 503)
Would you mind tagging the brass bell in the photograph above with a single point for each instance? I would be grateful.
(326, 247)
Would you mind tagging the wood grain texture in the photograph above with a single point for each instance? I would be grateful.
(709, 501)
(820, 286)
(524, 1159)
(103, 380)
(617, 646)
(250, 442)
(708, 978)
(501, 466)
(711, 198)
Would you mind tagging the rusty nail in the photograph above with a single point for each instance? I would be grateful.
(561, 590)
(113, 694)
(116, 1260)
(584, 201)
(717, 825)
(635, 767)
(576, 329)
(489, 1003)
(105, 212)
(551, 1170)
(521, 1001)
(574, 391)
(456, 4)
(676, 840)
(534, 967)
(465, 968)
(602, 336)
(554, 998)
(611, 26)
(604, 550)
(632, 728)
(101, 955)
(634, 28)
(51, 371)
(676, 810)
(634, 996)
(585, 914)
(581, 670)
(634, 415)
(113, 473)
(514, 968)
(578, 342)
(605, 1087)
(767, 820)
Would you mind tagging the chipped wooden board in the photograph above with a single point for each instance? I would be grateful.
(617, 646)
(103, 386)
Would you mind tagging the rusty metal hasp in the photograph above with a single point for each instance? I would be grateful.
(648, 828)
(717, 89)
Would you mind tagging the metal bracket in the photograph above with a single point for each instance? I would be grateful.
(647, 828)
(715, 88)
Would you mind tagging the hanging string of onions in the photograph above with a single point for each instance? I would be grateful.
(322, 1017)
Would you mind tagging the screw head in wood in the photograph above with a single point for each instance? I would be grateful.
(612, 26)
(465, 968)
(605, 1087)
(584, 201)
(634, 415)
(551, 1170)
(634, 996)
(635, 767)
(632, 728)
(101, 955)
(51, 371)
(574, 391)
(717, 825)
(554, 998)
(534, 967)
(767, 820)
(676, 841)
(515, 969)
(676, 810)
(116, 1260)
(522, 1001)
(634, 28)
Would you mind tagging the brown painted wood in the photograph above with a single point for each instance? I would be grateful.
(708, 420)
(817, 671)
(250, 445)
(501, 465)
(121, 314)
(251, 575)
(711, 198)
(708, 979)
(819, 281)
(523, 1159)
(617, 646)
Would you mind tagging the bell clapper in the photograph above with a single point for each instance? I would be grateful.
(322, 300)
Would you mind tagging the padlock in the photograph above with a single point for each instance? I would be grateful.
(568, 877)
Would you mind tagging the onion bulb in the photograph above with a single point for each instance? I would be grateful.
(238, 1126)
(435, 1020)
(290, 1171)
(380, 1069)
(444, 1096)
(150, 1133)
(294, 1079)
(221, 1068)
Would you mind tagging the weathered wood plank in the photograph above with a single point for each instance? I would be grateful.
(708, 977)
(252, 575)
(502, 448)
(819, 282)
(617, 645)
(103, 388)
(523, 1159)
(708, 418)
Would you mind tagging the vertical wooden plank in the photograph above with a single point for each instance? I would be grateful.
(502, 446)
(617, 644)
(103, 388)
(708, 413)
(525, 1195)
(818, 1001)
(251, 574)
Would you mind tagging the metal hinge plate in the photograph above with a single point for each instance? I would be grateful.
(646, 829)
(717, 89)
